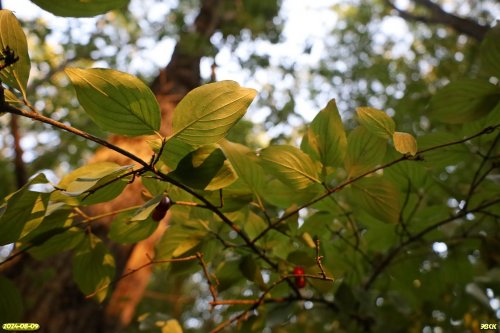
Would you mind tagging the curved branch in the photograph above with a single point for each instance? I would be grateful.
(437, 15)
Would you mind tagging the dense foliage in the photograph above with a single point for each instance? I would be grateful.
(361, 227)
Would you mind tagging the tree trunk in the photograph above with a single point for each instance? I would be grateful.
(52, 299)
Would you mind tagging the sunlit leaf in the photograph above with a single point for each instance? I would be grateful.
(12, 36)
(464, 100)
(376, 121)
(20, 208)
(79, 8)
(117, 102)
(171, 326)
(183, 234)
(93, 267)
(290, 165)
(207, 113)
(85, 184)
(325, 139)
(365, 151)
(405, 143)
(245, 163)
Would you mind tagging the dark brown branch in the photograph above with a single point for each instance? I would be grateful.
(437, 15)
(39, 117)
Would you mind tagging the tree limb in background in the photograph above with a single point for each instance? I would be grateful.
(20, 167)
(437, 15)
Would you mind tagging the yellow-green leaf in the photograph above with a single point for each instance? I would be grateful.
(290, 165)
(12, 36)
(325, 139)
(245, 163)
(117, 102)
(79, 8)
(93, 267)
(376, 121)
(207, 113)
(405, 143)
(365, 151)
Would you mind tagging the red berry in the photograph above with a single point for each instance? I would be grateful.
(161, 209)
(300, 280)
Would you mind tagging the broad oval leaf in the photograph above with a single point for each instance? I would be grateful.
(207, 113)
(376, 121)
(85, 184)
(126, 230)
(117, 102)
(405, 143)
(245, 163)
(365, 151)
(93, 267)
(12, 36)
(22, 208)
(490, 52)
(325, 139)
(464, 100)
(378, 197)
(79, 8)
(290, 165)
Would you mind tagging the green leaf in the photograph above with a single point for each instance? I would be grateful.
(91, 176)
(245, 164)
(207, 113)
(82, 182)
(490, 52)
(251, 270)
(365, 151)
(174, 151)
(378, 197)
(22, 207)
(117, 102)
(463, 101)
(12, 36)
(11, 302)
(183, 234)
(205, 168)
(445, 156)
(93, 267)
(133, 226)
(290, 165)
(325, 139)
(376, 121)
(57, 241)
(405, 143)
(380, 236)
(79, 8)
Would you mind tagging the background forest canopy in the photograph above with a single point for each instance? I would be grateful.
(360, 193)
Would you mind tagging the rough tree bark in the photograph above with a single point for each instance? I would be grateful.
(53, 299)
